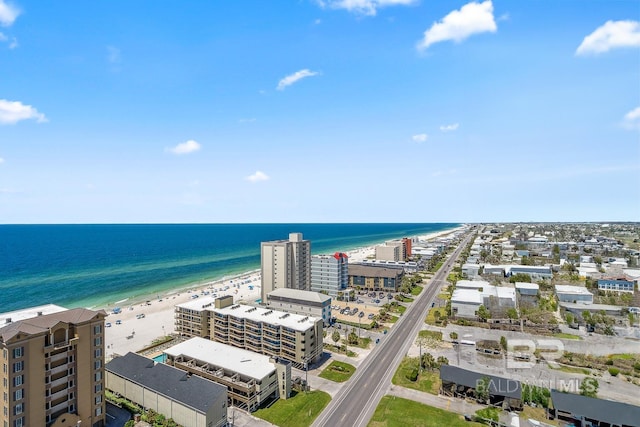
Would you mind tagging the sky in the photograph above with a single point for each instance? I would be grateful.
(319, 111)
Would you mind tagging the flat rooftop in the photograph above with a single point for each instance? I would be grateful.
(525, 285)
(28, 313)
(199, 303)
(574, 290)
(298, 294)
(273, 317)
(244, 362)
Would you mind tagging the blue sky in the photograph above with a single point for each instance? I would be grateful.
(319, 111)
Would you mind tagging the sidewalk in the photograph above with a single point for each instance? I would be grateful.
(451, 404)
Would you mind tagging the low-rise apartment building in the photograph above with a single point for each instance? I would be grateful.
(190, 400)
(620, 283)
(292, 337)
(375, 278)
(191, 318)
(53, 367)
(305, 303)
(577, 294)
(251, 379)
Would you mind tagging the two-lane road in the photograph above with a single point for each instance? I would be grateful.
(355, 404)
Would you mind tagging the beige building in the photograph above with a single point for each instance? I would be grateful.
(375, 278)
(305, 303)
(285, 264)
(389, 252)
(292, 337)
(53, 367)
(191, 317)
(251, 379)
(191, 401)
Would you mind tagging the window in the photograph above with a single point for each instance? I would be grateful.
(18, 366)
(19, 422)
(18, 409)
(98, 388)
(98, 399)
(98, 376)
(18, 380)
(97, 329)
(97, 341)
(17, 395)
(18, 352)
(98, 352)
(98, 411)
(97, 364)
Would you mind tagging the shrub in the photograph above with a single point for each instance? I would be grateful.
(636, 366)
(487, 415)
(413, 375)
(614, 371)
(609, 362)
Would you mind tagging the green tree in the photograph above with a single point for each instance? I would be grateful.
(428, 361)
(482, 389)
(453, 335)
(589, 387)
(442, 361)
(130, 423)
(335, 337)
(353, 338)
(512, 313)
(520, 277)
(483, 313)
(503, 342)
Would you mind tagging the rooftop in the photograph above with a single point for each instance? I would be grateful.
(525, 285)
(498, 386)
(27, 313)
(299, 294)
(190, 390)
(373, 271)
(606, 411)
(198, 304)
(43, 323)
(575, 290)
(472, 296)
(244, 362)
(273, 317)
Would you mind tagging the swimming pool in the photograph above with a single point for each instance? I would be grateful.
(160, 358)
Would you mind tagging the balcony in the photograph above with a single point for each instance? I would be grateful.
(59, 381)
(58, 369)
(59, 407)
(59, 356)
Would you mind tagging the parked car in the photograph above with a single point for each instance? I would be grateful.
(108, 324)
(118, 322)
(361, 314)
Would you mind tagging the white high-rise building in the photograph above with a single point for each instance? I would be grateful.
(329, 273)
(285, 264)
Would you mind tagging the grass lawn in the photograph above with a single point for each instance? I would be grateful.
(403, 299)
(537, 414)
(444, 296)
(338, 371)
(567, 336)
(431, 320)
(623, 356)
(572, 370)
(428, 381)
(392, 319)
(398, 309)
(431, 334)
(299, 410)
(416, 290)
(398, 412)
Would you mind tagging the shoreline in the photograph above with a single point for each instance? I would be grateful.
(134, 331)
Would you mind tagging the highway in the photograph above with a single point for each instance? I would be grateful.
(356, 402)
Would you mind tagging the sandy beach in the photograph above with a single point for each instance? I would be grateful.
(130, 331)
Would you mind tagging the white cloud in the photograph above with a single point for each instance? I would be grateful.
(257, 177)
(613, 34)
(363, 7)
(472, 18)
(8, 14)
(12, 44)
(449, 128)
(12, 112)
(185, 147)
(421, 137)
(292, 78)
(632, 119)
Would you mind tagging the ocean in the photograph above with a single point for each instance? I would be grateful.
(97, 265)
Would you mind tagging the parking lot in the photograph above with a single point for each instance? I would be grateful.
(365, 303)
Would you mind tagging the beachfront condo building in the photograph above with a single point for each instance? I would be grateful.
(285, 264)
(306, 303)
(288, 336)
(53, 368)
(330, 273)
(292, 337)
(251, 379)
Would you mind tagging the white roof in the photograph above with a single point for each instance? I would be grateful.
(299, 294)
(273, 317)
(525, 285)
(471, 284)
(199, 303)
(472, 296)
(633, 272)
(244, 362)
(503, 292)
(28, 313)
(576, 290)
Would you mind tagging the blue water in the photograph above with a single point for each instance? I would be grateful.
(97, 265)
